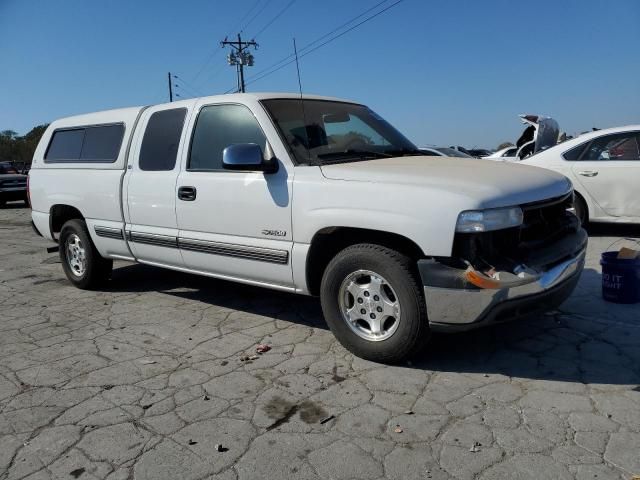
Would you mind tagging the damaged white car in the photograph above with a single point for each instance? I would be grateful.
(311, 195)
(604, 167)
(540, 134)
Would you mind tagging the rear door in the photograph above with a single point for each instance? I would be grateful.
(234, 224)
(150, 186)
(609, 170)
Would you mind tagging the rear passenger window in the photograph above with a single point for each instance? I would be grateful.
(99, 143)
(217, 127)
(65, 145)
(159, 148)
(102, 144)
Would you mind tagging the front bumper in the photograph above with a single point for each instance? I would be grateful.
(453, 306)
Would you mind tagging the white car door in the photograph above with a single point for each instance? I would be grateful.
(150, 186)
(234, 224)
(609, 170)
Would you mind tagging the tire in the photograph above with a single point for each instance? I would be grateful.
(355, 275)
(580, 207)
(81, 262)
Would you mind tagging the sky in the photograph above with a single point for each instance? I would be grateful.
(455, 72)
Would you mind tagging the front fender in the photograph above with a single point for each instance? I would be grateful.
(426, 218)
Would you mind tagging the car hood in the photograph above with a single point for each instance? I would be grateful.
(485, 184)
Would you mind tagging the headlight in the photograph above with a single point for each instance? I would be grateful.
(486, 220)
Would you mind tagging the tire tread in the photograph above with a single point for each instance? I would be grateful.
(412, 343)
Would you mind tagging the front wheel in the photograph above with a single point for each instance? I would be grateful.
(373, 303)
(80, 259)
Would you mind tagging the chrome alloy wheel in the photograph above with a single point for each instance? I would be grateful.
(76, 257)
(369, 305)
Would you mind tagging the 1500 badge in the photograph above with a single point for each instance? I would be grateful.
(274, 233)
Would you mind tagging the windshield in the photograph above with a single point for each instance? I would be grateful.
(321, 132)
(452, 152)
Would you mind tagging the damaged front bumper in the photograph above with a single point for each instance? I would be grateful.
(453, 303)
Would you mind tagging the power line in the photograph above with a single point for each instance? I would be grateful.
(303, 49)
(247, 13)
(309, 51)
(278, 15)
(266, 3)
(217, 51)
(240, 57)
(205, 64)
(181, 88)
(189, 86)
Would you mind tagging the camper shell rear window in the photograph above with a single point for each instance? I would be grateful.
(88, 144)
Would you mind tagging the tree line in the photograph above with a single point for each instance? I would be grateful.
(15, 148)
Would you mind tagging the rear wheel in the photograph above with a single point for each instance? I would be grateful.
(373, 303)
(81, 262)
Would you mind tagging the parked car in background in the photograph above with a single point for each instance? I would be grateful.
(540, 134)
(443, 152)
(461, 149)
(13, 185)
(479, 152)
(604, 167)
(508, 154)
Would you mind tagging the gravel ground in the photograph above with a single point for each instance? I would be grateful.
(148, 379)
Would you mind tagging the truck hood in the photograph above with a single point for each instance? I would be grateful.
(485, 184)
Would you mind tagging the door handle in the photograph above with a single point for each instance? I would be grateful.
(588, 173)
(188, 194)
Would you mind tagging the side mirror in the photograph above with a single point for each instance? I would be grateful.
(247, 157)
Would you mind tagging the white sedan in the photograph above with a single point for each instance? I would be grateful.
(507, 154)
(604, 167)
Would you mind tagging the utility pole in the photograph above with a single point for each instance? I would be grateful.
(240, 57)
(170, 87)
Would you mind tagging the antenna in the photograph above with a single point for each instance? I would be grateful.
(295, 51)
(304, 114)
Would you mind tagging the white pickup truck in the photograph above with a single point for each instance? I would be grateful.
(310, 195)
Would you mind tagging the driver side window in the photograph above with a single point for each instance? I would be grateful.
(217, 127)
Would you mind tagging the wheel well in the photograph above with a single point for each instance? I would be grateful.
(579, 197)
(60, 214)
(329, 241)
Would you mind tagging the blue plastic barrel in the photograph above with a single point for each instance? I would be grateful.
(620, 278)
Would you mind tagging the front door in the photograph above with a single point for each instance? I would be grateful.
(150, 186)
(233, 224)
(609, 170)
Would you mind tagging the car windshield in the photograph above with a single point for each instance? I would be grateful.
(452, 152)
(321, 132)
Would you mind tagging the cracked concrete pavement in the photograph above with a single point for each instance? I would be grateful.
(144, 380)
